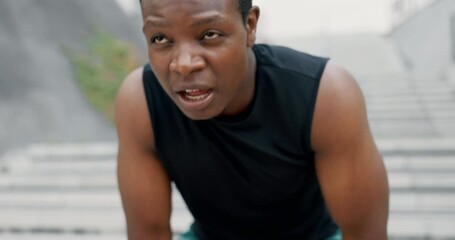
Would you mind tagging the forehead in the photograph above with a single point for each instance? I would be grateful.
(171, 8)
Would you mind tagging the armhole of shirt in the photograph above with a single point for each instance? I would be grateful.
(313, 103)
(148, 89)
(152, 95)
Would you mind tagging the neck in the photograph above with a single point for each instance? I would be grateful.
(245, 95)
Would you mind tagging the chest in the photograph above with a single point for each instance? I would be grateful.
(231, 165)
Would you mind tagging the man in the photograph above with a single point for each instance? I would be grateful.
(263, 142)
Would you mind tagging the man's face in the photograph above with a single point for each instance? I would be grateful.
(200, 52)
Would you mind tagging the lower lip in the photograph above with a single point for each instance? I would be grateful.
(194, 105)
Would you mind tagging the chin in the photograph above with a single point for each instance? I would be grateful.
(199, 115)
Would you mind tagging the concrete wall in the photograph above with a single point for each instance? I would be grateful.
(425, 40)
(39, 97)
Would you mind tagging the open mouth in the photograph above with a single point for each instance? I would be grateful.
(195, 95)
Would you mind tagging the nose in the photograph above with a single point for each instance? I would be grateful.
(187, 60)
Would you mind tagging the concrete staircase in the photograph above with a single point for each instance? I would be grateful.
(54, 191)
(70, 192)
(413, 119)
(422, 183)
(405, 106)
(66, 191)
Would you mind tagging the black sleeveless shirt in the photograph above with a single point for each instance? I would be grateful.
(252, 176)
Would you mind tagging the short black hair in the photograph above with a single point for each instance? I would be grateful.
(243, 6)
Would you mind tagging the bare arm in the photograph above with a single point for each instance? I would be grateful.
(348, 164)
(143, 183)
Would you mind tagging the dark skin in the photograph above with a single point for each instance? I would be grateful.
(201, 53)
(190, 50)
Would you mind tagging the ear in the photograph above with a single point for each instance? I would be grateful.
(251, 25)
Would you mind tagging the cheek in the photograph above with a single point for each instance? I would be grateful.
(231, 62)
(232, 77)
(157, 61)
(235, 66)
(159, 66)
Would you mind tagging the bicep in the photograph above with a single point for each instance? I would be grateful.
(348, 164)
(143, 182)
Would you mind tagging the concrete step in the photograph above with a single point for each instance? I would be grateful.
(417, 181)
(98, 152)
(421, 226)
(411, 115)
(399, 181)
(430, 164)
(60, 182)
(403, 202)
(64, 220)
(406, 90)
(75, 167)
(82, 198)
(40, 235)
(72, 212)
(70, 199)
(417, 147)
(441, 115)
(445, 127)
(423, 202)
(397, 115)
(411, 216)
(444, 106)
(77, 224)
(107, 168)
(61, 151)
(108, 200)
(399, 128)
(396, 107)
(417, 128)
(409, 99)
(390, 79)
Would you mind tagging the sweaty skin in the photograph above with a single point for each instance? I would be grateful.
(200, 51)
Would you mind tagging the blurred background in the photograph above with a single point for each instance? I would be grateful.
(61, 63)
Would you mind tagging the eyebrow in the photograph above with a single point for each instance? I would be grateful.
(154, 23)
(158, 23)
(208, 20)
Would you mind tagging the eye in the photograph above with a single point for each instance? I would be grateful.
(210, 35)
(159, 39)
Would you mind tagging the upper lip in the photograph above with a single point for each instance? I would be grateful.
(202, 87)
(192, 81)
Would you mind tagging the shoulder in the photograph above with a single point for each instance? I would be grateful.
(337, 84)
(131, 85)
(131, 110)
(340, 111)
(291, 60)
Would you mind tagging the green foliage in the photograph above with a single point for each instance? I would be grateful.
(101, 70)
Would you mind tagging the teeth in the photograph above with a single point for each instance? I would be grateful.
(196, 98)
(191, 90)
(195, 94)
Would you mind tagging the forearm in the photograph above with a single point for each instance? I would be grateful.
(150, 234)
(364, 235)
(370, 230)
(364, 211)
